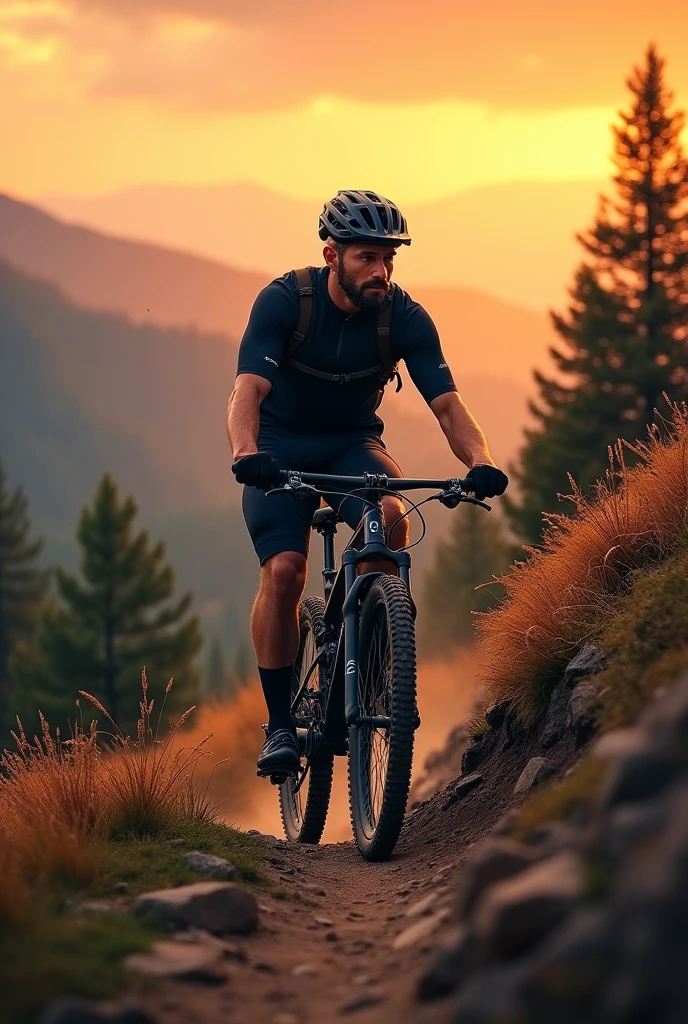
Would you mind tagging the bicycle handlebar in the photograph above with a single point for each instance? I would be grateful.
(373, 481)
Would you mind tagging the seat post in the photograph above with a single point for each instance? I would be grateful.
(329, 572)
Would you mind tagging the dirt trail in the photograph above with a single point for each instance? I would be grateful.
(314, 962)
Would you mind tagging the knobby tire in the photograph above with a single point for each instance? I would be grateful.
(378, 805)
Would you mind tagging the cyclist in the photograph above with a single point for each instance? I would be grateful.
(305, 397)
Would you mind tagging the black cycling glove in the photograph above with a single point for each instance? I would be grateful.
(260, 470)
(487, 481)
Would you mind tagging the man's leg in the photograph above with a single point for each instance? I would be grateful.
(275, 631)
(280, 529)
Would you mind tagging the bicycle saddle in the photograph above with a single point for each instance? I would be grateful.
(325, 517)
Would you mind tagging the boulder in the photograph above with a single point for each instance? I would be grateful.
(580, 720)
(179, 961)
(449, 966)
(495, 716)
(557, 715)
(536, 771)
(514, 914)
(490, 997)
(465, 785)
(637, 776)
(216, 907)
(209, 864)
(473, 755)
(586, 663)
(492, 861)
(619, 743)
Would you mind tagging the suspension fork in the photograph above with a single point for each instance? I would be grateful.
(356, 588)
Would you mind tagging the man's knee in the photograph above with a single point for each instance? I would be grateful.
(283, 576)
(396, 527)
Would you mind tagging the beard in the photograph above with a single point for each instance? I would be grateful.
(371, 296)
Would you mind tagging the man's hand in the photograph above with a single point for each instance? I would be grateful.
(260, 470)
(487, 481)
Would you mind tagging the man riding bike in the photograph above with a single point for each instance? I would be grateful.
(305, 397)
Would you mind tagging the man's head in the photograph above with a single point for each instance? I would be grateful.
(363, 271)
(362, 231)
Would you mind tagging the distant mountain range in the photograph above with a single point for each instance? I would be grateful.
(89, 385)
(151, 284)
(515, 242)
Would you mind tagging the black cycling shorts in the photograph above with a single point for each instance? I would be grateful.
(282, 522)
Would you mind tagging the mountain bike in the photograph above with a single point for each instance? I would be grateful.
(354, 681)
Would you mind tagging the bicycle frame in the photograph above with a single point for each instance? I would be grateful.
(338, 650)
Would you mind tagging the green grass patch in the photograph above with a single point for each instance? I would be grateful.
(646, 642)
(152, 863)
(53, 956)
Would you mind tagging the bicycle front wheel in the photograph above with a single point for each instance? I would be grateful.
(381, 754)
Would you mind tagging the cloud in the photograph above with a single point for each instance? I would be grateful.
(267, 54)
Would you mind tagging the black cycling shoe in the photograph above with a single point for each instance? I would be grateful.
(280, 754)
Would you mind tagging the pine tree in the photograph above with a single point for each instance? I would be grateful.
(474, 551)
(117, 618)
(22, 585)
(624, 337)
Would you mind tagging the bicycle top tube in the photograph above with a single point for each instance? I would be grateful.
(372, 481)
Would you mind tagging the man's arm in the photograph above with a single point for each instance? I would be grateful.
(463, 432)
(243, 413)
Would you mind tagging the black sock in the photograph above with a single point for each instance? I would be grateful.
(276, 683)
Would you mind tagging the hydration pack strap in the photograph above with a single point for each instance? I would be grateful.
(337, 378)
(305, 285)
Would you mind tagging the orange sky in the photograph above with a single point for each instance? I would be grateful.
(418, 100)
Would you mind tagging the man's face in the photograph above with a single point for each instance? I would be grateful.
(364, 273)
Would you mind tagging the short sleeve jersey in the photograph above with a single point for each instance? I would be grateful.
(336, 343)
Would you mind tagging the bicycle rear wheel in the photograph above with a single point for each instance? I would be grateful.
(304, 800)
(380, 757)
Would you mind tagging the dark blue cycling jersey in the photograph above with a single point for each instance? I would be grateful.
(337, 342)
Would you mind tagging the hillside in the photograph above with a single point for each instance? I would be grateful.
(515, 241)
(150, 284)
(87, 391)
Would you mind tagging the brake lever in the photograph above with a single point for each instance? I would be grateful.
(301, 491)
(451, 499)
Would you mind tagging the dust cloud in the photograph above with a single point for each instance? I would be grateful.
(447, 690)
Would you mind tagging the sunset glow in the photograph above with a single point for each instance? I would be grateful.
(106, 95)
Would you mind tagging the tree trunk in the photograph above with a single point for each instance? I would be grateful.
(111, 694)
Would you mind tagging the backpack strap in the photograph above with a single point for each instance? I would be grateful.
(304, 282)
(388, 366)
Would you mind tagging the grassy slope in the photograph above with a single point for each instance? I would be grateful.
(49, 952)
(646, 644)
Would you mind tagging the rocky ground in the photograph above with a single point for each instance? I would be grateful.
(584, 920)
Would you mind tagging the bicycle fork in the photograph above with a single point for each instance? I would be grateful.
(356, 588)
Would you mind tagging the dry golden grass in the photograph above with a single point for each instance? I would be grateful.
(560, 596)
(60, 800)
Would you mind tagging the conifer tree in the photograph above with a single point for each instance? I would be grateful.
(22, 584)
(475, 550)
(118, 617)
(623, 340)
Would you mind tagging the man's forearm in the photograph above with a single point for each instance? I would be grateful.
(243, 421)
(462, 430)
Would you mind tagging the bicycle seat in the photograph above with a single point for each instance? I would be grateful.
(325, 517)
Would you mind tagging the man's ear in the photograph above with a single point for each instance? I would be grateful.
(330, 256)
